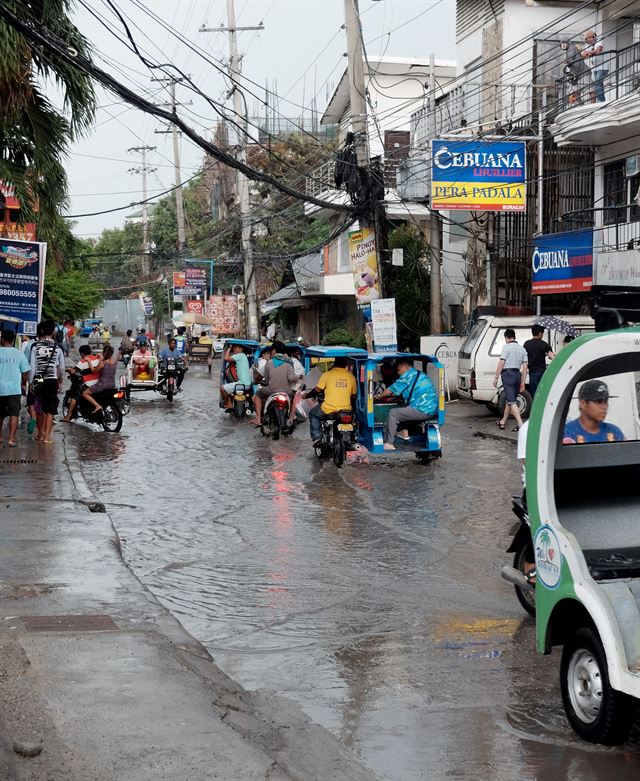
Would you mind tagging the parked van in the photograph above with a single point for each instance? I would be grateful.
(480, 352)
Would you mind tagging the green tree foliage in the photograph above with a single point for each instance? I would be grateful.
(409, 285)
(34, 134)
(69, 294)
(343, 336)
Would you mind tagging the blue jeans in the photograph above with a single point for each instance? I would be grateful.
(598, 77)
(534, 379)
(316, 416)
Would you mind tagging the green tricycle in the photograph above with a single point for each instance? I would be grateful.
(583, 495)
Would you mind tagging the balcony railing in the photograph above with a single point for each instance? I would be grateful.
(623, 77)
(320, 181)
(472, 105)
(614, 227)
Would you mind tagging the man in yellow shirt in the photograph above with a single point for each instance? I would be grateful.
(339, 388)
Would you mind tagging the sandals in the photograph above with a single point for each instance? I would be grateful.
(500, 425)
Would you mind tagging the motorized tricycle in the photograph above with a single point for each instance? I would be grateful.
(375, 373)
(583, 490)
(241, 396)
(140, 376)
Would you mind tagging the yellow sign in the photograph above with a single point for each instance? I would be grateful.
(364, 263)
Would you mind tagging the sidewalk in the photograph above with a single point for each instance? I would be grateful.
(477, 418)
(96, 673)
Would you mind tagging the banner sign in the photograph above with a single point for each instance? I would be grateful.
(620, 268)
(196, 279)
(364, 263)
(563, 262)
(224, 315)
(195, 306)
(22, 266)
(478, 175)
(146, 302)
(385, 332)
(190, 282)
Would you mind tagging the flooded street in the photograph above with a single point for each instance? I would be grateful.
(369, 595)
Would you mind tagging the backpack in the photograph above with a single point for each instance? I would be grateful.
(60, 334)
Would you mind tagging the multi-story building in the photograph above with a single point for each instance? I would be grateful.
(612, 129)
(511, 79)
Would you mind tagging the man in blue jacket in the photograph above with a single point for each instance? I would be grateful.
(419, 396)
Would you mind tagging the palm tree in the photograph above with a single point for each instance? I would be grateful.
(35, 134)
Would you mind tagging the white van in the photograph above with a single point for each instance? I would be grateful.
(480, 352)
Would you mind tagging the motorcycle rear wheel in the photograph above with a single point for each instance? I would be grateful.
(111, 418)
(339, 450)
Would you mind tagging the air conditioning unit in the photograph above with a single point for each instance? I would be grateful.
(237, 290)
(632, 166)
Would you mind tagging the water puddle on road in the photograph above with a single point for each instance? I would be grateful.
(370, 595)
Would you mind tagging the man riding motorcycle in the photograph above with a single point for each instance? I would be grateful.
(339, 388)
(279, 376)
(172, 350)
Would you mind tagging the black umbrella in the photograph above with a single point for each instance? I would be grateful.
(557, 324)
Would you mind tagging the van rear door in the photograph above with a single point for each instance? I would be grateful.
(467, 355)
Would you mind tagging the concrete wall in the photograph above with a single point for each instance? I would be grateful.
(123, 313)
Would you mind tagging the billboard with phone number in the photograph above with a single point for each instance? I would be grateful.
(22, 266)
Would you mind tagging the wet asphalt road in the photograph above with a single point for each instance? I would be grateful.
(369, 595)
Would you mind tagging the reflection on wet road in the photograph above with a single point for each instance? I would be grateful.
(370, 594)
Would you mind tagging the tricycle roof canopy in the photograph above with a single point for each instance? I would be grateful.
(335, 351)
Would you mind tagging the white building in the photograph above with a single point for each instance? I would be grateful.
(612, 128)
(396, 87)
(510, 72)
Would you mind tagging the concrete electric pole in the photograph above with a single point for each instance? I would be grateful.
(435, 223)
(144, 169)
(171, 83)
(357, 95)
(242, 183)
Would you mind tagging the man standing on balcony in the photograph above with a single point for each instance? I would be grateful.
(593, 54)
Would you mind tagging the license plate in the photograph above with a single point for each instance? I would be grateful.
(239, 397)
(345, 427)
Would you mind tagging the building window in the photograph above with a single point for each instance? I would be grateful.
(614, 193)
(634, 190)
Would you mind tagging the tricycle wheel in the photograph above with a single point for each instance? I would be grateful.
(596, 711)
(525, 597)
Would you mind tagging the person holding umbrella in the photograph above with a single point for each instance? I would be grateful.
(537, 352)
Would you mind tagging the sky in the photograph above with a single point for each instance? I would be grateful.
(301, 49)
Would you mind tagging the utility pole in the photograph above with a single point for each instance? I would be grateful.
(144, 169)
(435, 223)
(171, 82)
(355, 69)
(242, 183)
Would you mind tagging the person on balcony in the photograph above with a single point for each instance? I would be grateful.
(593, 54)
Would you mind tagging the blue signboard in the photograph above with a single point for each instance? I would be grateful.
(563, 262)
(478, 175)
(21, 281)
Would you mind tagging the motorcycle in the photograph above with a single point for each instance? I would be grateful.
(338, 436)
(110, 399)
(169, 369)
(242, 403)
(522, 549)
(275, 417)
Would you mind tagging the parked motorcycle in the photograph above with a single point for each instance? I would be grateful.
(110, 399)
(275, 417)
(168, 371)
(338, 436)
(522, 549)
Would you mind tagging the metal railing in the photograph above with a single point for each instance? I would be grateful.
(577, 86)
(614, 227)
(472, 105)
(321, 179)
